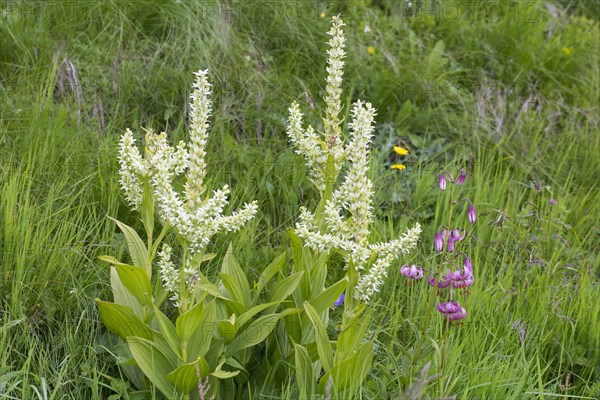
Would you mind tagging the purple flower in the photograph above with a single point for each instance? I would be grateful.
(467, 264)
(452, 310)
(443, 283)
(414, 271)
(438, 240)
(461, 178)
(454, 236)
(449, 307)
(339, 301)
(553, 202)
(461, 279)
(451, 245)
(472, 214)
(460, 314)
(442, 182)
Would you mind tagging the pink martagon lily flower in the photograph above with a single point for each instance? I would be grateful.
(414, 271)
(444, 282)
(467, 264)
(460, 314)
(462, 279)
(452, 310)
(449, 307)
(456, 236)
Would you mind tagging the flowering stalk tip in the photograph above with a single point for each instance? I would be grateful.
(461, 177)
(472, 214)
(442, 182)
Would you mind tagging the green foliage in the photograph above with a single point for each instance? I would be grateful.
(503, 99)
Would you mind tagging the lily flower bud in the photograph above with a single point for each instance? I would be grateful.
(442, 182)
(472, 213)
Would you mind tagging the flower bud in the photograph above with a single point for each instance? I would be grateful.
(439, 242)
(472, 213)
(461, 177)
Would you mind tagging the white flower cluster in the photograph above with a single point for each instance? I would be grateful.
(168, 273)
(307, 141)
(349, 212)
(197, 219)
(132, 167)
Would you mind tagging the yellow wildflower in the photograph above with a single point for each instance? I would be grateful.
(371, 50)
(322, 15)
(400, 150)
(399, 167)
(566, 50)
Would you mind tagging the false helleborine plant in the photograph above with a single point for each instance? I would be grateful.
(203, 349)
(340, 223)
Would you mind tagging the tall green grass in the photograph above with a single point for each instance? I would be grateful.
(501, 97)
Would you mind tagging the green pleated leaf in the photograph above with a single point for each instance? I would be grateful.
(296, 249)
(122, 296)
(247, 316)
(352, 334)
(305, 373)
(234, 289)
(153, 363)
(168, 330)
(185, 377)
(137, 248)
(256, 331)
(228, 329)
(219, 373)
(200, 339)
(232, 268)
(137, 281)
(122, 321)
(270, 271)
(323, 346)
(284, 288)
(147, 209)
(326, 299)
(349, 374)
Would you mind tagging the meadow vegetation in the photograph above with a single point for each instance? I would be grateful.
(510, 93)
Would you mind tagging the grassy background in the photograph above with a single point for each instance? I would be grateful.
(507, 89)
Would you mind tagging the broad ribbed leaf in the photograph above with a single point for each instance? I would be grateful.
(296, 249)
(348, 374)
(326, 299)
(168, 330)
(228, 329)
(137, 281)
(232, 268)
(122, 321)
(200, 340)
(137, 248)
(122, 296)
(305, 374)
(269, 272)
(257, 331)
(234, 289)
(153, 363)
(185, 377)
(323, 346)
(247, 316)
(284, 288)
